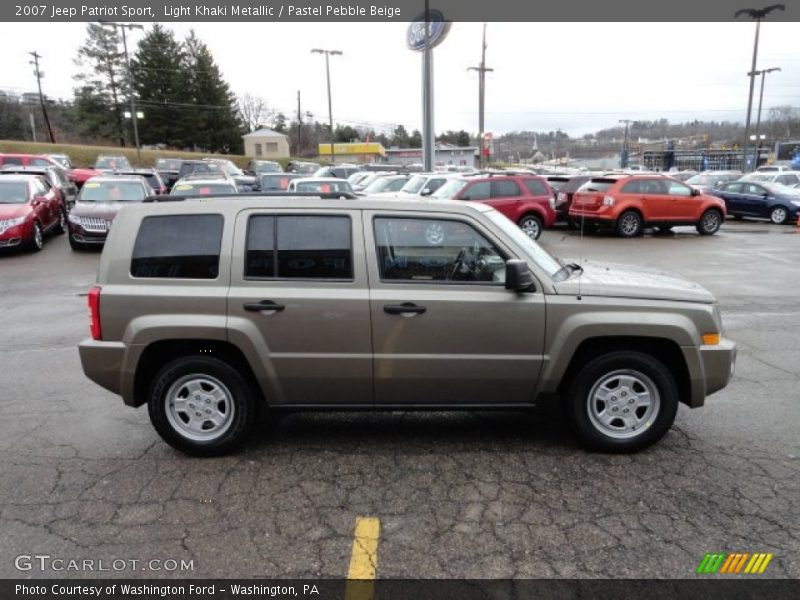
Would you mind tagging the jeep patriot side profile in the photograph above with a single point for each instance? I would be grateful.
(211, 310)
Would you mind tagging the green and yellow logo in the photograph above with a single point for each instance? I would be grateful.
(733, 563)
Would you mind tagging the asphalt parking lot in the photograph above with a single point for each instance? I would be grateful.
(481, 495)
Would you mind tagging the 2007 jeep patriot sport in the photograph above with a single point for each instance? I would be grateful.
(210, 310)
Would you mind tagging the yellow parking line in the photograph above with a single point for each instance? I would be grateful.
(363, 560)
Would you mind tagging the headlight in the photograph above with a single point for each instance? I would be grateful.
(796, 202)
(608, 201)
(74, 219)
(9, 223)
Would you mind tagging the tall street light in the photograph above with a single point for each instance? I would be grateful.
(328, 53)
(123, 27)
(763, 73)
(757, 15)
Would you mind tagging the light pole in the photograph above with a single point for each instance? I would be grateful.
(482, 69)
(623, 162)
(328, 53)
(763, 73)
(757, 15)
(123, 27)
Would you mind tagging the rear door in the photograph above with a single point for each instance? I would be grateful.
(299, 289)
(445, 330)
(506, 196)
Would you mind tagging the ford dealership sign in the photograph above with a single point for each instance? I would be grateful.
(437, 31)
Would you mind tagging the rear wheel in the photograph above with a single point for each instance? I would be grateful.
(622, 401)
(629, 224)
(531, 225)
(710, 222)
(779, 215)
(202, 406)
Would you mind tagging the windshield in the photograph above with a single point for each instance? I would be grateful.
(61, 159)
(275, 181)
(414, 185)
(267, 167)
(112, 191)
(13, 192)
(228, 167)
(323, 187)
(450, 189)
(779, 188)
(112, 162)
(168, 164)
(202, 189)
(385, 184)
(704, 179)
(535, 252)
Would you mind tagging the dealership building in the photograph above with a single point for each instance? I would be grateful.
(444, 156)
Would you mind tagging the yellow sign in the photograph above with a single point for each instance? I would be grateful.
(352, 148)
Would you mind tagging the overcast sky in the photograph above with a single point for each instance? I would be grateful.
(575, 76)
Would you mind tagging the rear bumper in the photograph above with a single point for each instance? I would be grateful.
(103, 362)
(710, 369)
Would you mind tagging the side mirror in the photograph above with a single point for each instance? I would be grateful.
(695, 192)
(425, 192)
(519, 277)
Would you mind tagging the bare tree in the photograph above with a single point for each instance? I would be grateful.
(254, 111)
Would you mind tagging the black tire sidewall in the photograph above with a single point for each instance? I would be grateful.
(33, 246)
(639, 229)
(245, 413)
(589, 374)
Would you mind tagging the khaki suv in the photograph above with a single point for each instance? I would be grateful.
(211, 310)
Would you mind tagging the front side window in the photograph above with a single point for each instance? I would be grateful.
(676, 188)
(435, 250)
(299, 247)
(504, 189)
(163, 248)
(477, 191)
(733, 188)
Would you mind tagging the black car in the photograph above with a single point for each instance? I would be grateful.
(245, 183)
(153, 178)
(56, 177)
(259, 167)
(197, 166)
(778, 203)
(168, 169)
(341, 172)
(302, 167)
(275, 182)
(564, 195)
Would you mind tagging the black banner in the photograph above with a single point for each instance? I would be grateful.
(383, 10)
(747, 587)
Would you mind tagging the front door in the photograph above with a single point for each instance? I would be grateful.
(299, 300)
(445, 329)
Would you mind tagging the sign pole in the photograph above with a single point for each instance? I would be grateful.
(428, 141)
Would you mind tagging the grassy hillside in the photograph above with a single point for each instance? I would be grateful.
(84, 156)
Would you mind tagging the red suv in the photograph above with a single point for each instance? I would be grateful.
(29, 208)
(525, 199)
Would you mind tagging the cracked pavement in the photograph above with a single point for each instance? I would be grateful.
(481, 495)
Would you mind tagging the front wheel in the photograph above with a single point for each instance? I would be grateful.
(37, 238)
(779, 215)
(710, 222)
(622, 401)
(201, 406)
(531, 225)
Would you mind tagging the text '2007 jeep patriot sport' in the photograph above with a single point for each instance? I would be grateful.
(211, 310)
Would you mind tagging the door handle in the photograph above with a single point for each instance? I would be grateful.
(264, 305)
(406, 308)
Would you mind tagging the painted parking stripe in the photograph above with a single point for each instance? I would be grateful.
(363, 560)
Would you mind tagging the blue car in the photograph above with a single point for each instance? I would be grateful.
(762, 200)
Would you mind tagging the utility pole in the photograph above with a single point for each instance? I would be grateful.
(35, 62)
(482, 69)
(123, 27)
(757, 15)
(763, 73)
(328, 53)
(299, 126)
(623, 159)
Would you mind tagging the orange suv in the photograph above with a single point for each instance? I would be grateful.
(628, 203)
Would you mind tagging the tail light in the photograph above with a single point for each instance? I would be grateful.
(552, 201)
(93, 299)
(562, 198)
(608, 201)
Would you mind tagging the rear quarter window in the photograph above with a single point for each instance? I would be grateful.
(164, 250)
(537, 188)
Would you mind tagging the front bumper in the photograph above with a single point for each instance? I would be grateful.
(85, 236)
(710, 369)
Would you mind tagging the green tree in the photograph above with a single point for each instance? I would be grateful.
(216, 125)
(100, 83)
(344, 134)
(160, 80)
(415, 140)
(400, 137)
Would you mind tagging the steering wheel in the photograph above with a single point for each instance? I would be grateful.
(457, 263)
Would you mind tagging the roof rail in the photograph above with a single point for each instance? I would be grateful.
(322, 195)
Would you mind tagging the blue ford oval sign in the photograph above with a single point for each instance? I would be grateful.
(437, 31)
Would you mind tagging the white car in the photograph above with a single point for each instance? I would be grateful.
(773, 168)
(319, 185)
(390, 184)
(787, 178)
(423, 184)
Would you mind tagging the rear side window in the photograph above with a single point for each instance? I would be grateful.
(536, 187)
(597, 185)
(299, 247)
(163, 248)
(505, 189)
(12, 160)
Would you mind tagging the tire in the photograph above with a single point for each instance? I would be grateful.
(629, 224)
(61, 226)
(636, 372)
(76, 246)
(201, 406)
(36, 242)
(778, 215)
(531, 225)
(710, 222)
